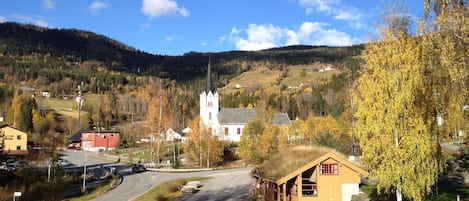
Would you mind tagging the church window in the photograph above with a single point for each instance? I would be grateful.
(210, 115)
(238, 131)
(209, 104)
(226, 130)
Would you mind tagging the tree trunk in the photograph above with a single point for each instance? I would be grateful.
(398, 195)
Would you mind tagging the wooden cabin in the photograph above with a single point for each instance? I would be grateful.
(308, 174)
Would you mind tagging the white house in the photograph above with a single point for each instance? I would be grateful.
(227, 123)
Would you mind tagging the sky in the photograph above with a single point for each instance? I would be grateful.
(175, 27)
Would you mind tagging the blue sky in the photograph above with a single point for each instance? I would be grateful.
(175, 27)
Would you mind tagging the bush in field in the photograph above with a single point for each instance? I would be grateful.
(173, 188)
(161, 197)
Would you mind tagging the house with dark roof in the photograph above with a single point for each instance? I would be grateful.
(94, 140)
(13, 141)
(308, 173)
(228, 123)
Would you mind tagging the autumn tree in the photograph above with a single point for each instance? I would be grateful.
(446, 27)
(202, 147)
(392, 104)
(20, 114)
(268, 144)
(249, 148)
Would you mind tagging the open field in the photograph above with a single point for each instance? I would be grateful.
(66, 107)
(297, 75)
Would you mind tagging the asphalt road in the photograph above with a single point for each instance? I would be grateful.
(232, 184)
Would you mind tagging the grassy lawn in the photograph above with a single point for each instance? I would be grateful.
(168, 190)
(444, 193)
(449, 194)
(100, 190)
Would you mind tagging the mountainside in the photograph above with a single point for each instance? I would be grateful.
(74, 45)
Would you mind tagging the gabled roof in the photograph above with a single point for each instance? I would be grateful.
(286, 165)
(10, 126)
(281, 119)
(77, 136)
(236, 115)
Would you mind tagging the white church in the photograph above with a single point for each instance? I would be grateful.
(228, 123)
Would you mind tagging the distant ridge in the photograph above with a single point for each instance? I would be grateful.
(75, 45)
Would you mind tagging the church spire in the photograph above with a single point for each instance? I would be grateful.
(208, 85)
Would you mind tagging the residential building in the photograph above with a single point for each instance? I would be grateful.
(13, 141)
(94, 140)
(308, 174)
(228, 123)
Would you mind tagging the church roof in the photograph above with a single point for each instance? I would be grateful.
(236, 115)
(281, 119)
(209, 85)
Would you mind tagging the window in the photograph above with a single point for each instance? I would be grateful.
(18, 137)
(226, 130)
(209, 103)
(210, 115)
(238, 131)
(329, 169)
(18, 147)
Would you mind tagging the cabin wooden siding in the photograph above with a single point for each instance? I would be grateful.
(329, 187)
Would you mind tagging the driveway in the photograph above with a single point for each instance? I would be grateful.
(229, 185)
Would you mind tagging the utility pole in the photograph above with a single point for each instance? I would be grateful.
(159, 128)
(79, 104)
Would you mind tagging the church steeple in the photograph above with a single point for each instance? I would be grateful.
(208, 85)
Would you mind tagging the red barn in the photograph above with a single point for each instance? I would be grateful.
(99, 140)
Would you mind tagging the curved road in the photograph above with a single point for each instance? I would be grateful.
(232, 184)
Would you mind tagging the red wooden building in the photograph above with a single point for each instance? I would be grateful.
(99, 140)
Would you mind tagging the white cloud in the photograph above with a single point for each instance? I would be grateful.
(157, 8)
(169, 38)
(36, 20)
(258, 37)
(97, 6)
(2, 19)
(48, 4)
(351, 15)
(318, 5)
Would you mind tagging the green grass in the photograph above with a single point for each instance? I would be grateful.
(449, 194)
(161, 190)
(100, 190)
(295, 77)
(445, 193)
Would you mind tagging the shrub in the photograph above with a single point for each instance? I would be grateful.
(173, 188)
(161, 197)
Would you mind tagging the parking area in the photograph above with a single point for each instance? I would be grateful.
(229, 186)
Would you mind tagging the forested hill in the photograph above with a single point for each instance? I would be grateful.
(71, 45)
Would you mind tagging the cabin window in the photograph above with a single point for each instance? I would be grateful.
(329, 169)
(238, 131)
(226, 130)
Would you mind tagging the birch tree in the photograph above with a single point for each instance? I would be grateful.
(392, 100)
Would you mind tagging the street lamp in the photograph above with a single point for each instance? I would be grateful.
(151, 145)
(84, 162)
(16, 194)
